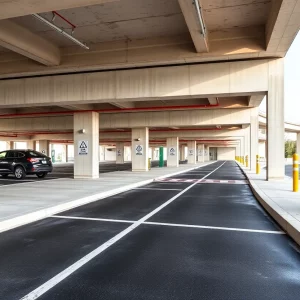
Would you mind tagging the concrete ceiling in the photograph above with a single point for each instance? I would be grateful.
(129, 33)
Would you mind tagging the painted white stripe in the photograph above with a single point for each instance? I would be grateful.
(92, 219)
(215, 228)
(77, 265)
(172, 225)
(296, 169)
(158, 189)
(296, 162)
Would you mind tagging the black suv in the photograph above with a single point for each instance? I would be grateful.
(24, 162)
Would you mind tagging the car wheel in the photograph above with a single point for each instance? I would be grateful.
(4, 175)
(20, 173)
(41, 174)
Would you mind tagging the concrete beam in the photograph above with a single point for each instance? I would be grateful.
(156, 51)
(16, 8)
(78, 106)
(282, 25)
(24, 42)
(189, 12)
(255, 100)
(178, 82)
(212, 100)
(123, 104)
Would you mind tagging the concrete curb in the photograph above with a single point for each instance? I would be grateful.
(47, 212)
(288, 223)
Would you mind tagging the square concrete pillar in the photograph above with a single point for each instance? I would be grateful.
(140, 148)
(182, 152)
(44, 147)
(200, 153)
(31, 145)
(298, 143)
(10, 145)
(247, 140)
(275, 121)
(153, 154)
(120, 153)
(206, 153)
(172, 152)
(192, 152)
(253, 138)
(86, 145)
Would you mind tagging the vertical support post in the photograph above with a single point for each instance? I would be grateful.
(10, 145)
(86, 145)
(182, 152)
(275, 120)
(200, 152)
(153, 153)
(44, 147)
(253, 137)
(161, 157)
(120, 153)
(192, 152)
(295, 172)
(173, 152)
(206, 153)
(140, 148)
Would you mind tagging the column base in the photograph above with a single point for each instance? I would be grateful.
(86, 176)
(139, 170)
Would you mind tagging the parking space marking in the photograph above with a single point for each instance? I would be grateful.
(222, 181)
(17, 182)
(215, 228)
(93, 219)
(77, 265)
(174, 225)
(158, 189)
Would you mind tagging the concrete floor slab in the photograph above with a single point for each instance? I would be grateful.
(44, 198)
(279, 200)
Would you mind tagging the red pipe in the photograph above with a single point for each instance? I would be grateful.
(67, 21)
(112, 110)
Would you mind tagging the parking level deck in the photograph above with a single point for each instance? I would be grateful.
(165, 240)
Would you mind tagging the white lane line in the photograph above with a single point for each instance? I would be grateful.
(93, 219)
(215, 228)
(77, 265)
(172, 224)
(158, 189)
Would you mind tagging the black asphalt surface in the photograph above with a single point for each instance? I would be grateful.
(66, 170)
(161, 260)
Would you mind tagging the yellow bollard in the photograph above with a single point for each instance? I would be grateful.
(239, 159)
(243, 161)
(247, 161)
(295, 173)
(257, 165)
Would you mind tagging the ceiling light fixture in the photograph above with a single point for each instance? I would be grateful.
(200, 17)
(61, 31)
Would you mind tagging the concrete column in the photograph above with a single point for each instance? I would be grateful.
(200, 153)
(247, 140)
(153, 154)
(192, 152)
(86, 145)
(182, 152)
(140, 146)
(10, 145)
(31, 145)
(206, 153)
(298, 143)
(253, 138)
(44, 147)
(275, 121)
(120, 155)
(172, 152)
(67, 153)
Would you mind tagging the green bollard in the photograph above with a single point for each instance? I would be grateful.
(161, 157)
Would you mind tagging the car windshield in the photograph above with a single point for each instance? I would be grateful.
(32, 153)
